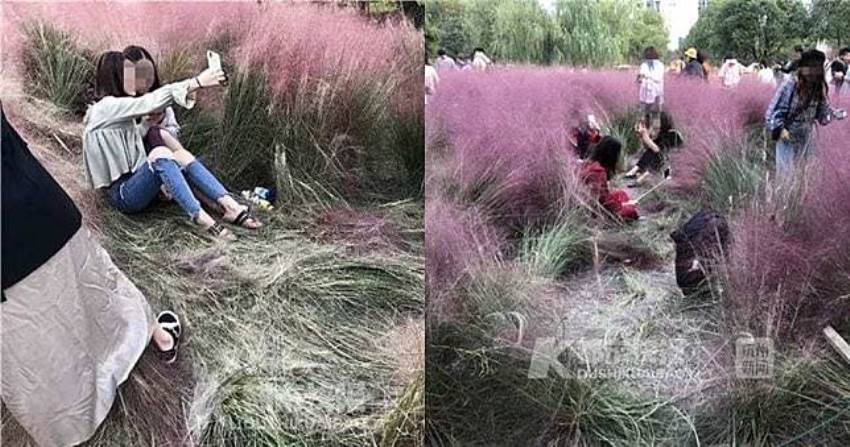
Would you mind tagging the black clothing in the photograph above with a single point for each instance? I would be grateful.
(38, 216)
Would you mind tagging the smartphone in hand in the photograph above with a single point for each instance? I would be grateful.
(214, 62)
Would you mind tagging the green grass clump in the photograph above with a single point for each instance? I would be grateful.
(56, 68)
(733, 177)
(558, 248)
(807, 402)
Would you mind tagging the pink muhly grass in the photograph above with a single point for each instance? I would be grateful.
(459, 239)
(102, 26)
(795, 274)
(314, 45)
(506, 137)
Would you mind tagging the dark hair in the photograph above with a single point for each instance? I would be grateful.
(666, 123)
(798, 48)
(441, 52)
(814, 87)
(650, 53)
(702, 56)
(729, 55)
(843, 51)
(478, 49)
(136, 53)
(607, 153)
(109, 75)
(837, 67)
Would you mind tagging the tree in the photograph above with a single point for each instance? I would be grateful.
(830, 20)
(445, 25)
(755, 30)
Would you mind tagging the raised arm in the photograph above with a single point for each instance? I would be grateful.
(114, 110)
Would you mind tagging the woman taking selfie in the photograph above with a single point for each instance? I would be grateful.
(114, 152)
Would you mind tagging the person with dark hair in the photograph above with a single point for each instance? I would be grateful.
(480, 61)
(837, 73)
(650, 81)
(693, 67)
(800, 103)
(444, 61)
(703, 59)
(656, 144)
(114, 153)
(731, 71)
(165, 119)
(838, 78)
(73, 325)
(600, 168)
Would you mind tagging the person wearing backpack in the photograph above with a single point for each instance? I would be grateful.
(731, 71)
(800, 103)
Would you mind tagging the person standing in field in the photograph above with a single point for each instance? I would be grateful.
(707, 69)
(432, 79)
(444, 61)
(480, 61)
(651, 82)
(693, 68)
(800, 103)
(731, 71)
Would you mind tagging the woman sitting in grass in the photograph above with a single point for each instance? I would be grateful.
(601, 166)
(656, 143)
(131, 164)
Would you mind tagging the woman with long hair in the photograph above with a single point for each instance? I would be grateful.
(800, 103)
(131, 163)
(600, 168)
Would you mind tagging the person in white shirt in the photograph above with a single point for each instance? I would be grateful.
(432, 79)
(444, 61)
(731, 71)
(650, 81)
(480, 61)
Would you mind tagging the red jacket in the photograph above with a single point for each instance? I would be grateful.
(596, 178)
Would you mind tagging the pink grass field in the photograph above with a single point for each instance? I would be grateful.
(507, 129)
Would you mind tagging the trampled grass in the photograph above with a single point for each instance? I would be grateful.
(584, 277)
(307, 332)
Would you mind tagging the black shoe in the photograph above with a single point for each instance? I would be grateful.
(169, 322)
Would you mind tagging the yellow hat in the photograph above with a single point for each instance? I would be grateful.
(691, 53)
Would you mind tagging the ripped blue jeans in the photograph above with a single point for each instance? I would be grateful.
(133, 193)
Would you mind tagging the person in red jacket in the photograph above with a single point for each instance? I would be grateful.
(601, 166)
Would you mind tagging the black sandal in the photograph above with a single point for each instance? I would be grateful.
(169, 322)
(219, 232)
(244, 216)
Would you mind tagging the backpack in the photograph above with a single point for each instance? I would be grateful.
(701, 238)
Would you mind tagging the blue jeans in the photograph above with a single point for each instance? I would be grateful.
(133, 193)
(787, 156)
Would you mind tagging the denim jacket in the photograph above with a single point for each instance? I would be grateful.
(784, 111)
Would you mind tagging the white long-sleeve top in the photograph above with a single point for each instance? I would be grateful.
(651, 85)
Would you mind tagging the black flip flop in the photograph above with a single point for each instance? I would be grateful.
(170, 323)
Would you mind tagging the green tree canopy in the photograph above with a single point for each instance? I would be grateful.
(754, 30)
(579, 32)
(831, 21)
